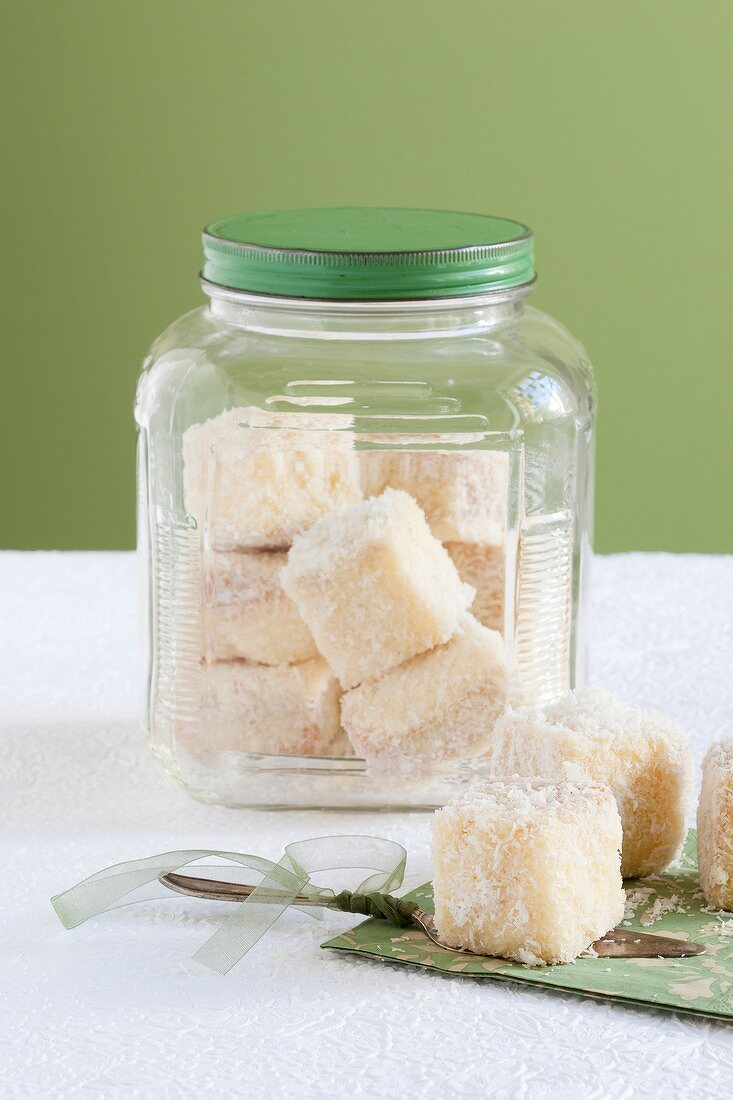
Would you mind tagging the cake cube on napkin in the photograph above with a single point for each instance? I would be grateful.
(374, 586)
(591, 735)
(463, 494)
(247, 614)
(252, 482)
(715, 826)
(440, 705)
(483, 568)
(528, 869)
(286, 709)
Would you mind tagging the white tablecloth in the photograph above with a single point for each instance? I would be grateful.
(116, 1008)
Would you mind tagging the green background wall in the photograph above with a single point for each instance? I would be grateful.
(605, 125)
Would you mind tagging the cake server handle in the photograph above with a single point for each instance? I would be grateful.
(381, 906)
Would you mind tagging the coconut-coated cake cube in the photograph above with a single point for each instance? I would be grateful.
(591, 735)
(374, 586)
(440, 705)
(247, 614)
(715, 826)
(463, 494)
(528, 869)
(252, 482)
(483, 568)
(282, 709)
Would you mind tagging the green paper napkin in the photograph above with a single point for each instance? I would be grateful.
(668, 904)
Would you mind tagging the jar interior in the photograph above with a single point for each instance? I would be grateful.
(274, 432)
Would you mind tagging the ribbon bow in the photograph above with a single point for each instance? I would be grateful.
(138, 880)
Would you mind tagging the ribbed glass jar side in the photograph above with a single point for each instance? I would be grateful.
(489, 376)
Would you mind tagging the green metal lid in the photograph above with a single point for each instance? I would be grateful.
(361, 253)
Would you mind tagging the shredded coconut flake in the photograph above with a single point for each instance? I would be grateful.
(635, 899)
(661, 907)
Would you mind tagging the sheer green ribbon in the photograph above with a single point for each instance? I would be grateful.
(138, 880)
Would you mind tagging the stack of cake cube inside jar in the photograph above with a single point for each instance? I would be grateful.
(351, 600)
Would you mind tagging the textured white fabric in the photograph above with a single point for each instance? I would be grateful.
(116, 1008)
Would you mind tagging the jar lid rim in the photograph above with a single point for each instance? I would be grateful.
(368, 253)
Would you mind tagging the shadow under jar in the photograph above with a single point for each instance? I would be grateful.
(364, 511)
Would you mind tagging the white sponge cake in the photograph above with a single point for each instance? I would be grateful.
(374, 586)
(528, 869)
(591, 735)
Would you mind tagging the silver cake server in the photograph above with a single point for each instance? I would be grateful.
(616, 944)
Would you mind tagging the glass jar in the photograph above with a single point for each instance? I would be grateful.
(365, 508)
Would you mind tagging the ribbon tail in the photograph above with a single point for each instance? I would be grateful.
(137, 880)
(111, 887)
(255, 916)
